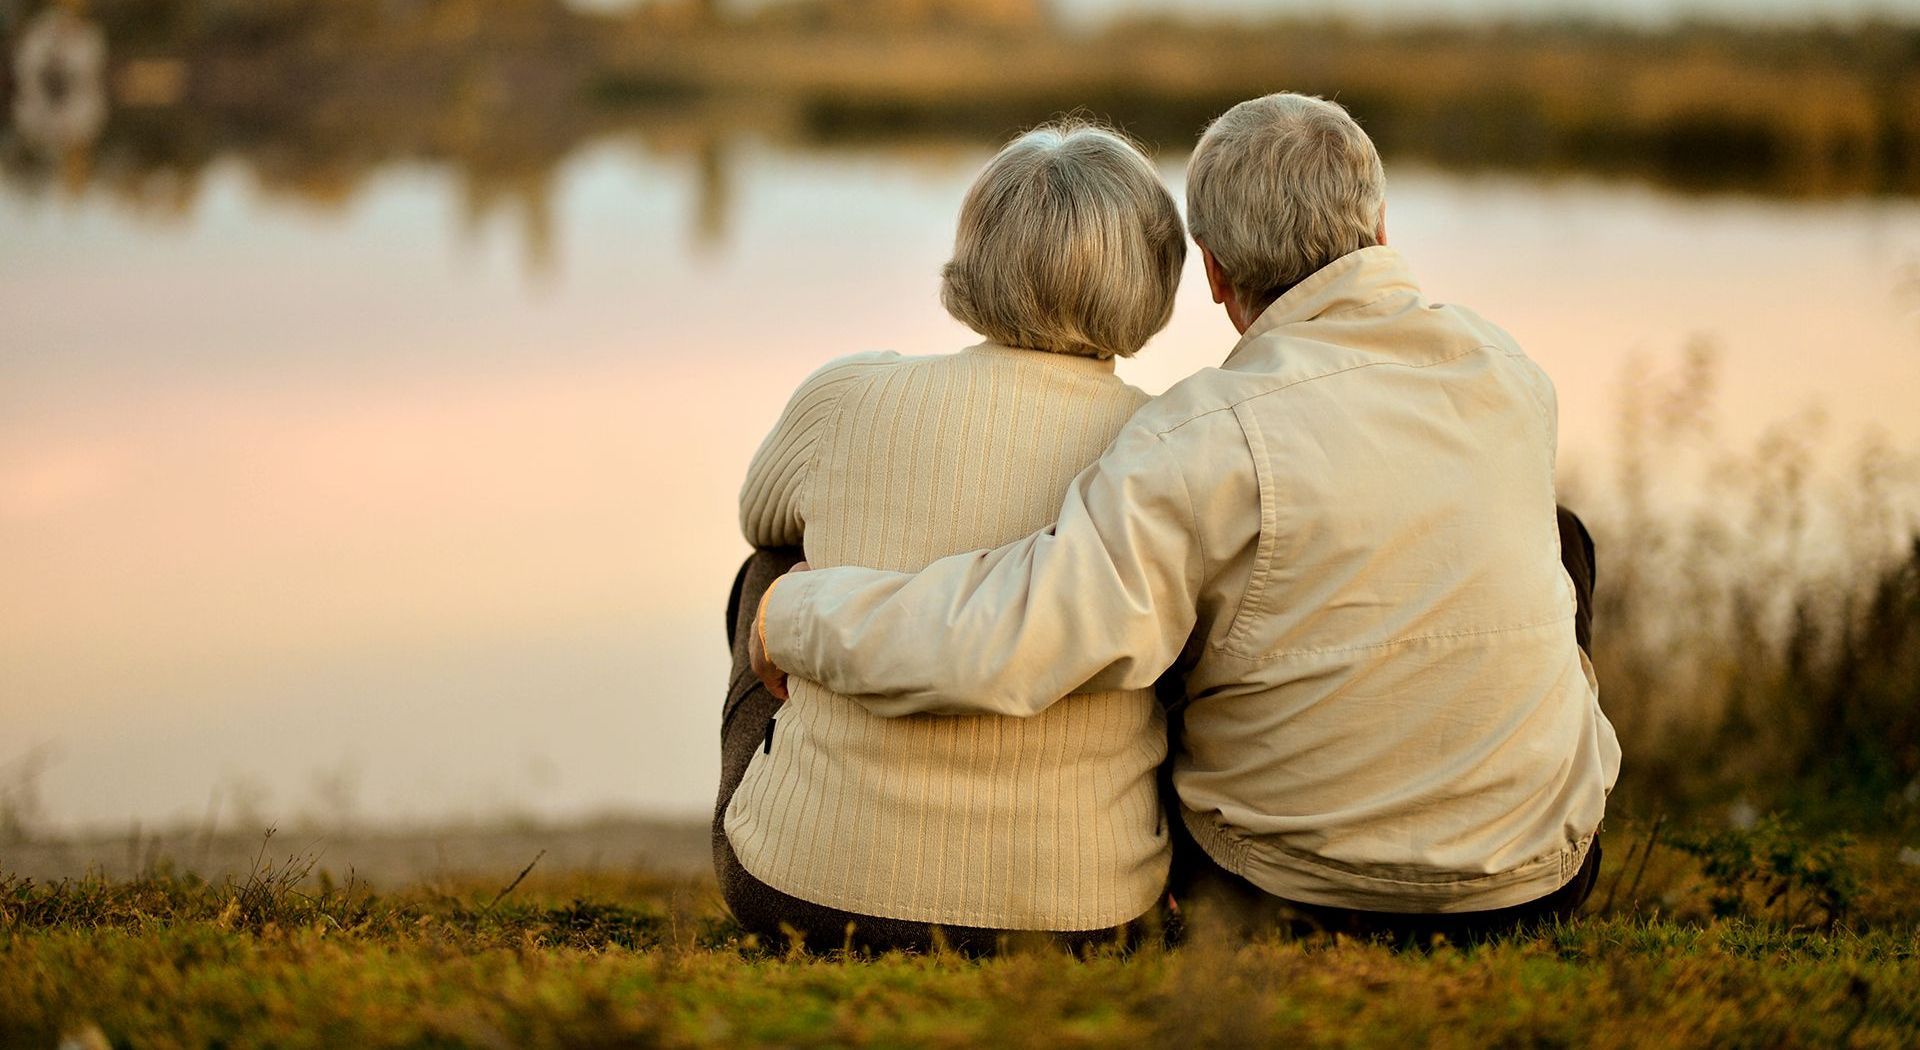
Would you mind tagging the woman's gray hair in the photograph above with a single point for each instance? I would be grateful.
(1067, 242)
(1279, 187)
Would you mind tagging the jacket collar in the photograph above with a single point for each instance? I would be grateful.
(1356, 279)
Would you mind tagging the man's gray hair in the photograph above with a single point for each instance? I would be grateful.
(1279, 187)
(1068, 242)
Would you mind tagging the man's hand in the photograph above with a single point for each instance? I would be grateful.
(773, 677)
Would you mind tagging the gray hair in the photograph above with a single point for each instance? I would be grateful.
(1067, 242)
(1279, 187)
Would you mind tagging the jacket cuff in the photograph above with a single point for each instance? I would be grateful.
(780, 609)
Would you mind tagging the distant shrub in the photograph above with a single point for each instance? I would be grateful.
(1772, 871)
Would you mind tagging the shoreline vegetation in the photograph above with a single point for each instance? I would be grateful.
(315, 97)
(386, 856)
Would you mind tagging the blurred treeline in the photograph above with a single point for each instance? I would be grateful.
(315, 94)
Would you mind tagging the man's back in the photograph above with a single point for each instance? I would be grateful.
(1387, 706)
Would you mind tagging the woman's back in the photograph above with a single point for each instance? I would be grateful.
(1043, 823)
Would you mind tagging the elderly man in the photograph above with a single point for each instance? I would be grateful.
(1346, 536)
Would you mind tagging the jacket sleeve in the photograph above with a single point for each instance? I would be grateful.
(771, 507)
(1104, 599)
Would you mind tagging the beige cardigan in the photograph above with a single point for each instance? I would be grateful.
(1050, 822)
(1349, 529)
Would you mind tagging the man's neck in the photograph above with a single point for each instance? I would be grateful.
(1244, 314)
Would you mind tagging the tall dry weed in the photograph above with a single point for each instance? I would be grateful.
(1757, 630)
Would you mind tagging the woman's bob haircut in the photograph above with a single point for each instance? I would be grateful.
(1067, 242)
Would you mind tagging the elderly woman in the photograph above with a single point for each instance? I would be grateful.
(852, 829)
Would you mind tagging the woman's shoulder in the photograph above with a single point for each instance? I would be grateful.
(1090, 384)
(853, 365)
(838, 376)
(832, 379)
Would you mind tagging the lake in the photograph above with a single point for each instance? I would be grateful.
(417, 502)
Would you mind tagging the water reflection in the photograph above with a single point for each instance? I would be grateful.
(302, 481)
(319, 99)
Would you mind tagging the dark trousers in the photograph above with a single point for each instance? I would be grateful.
(778, 918)
(1201, 885)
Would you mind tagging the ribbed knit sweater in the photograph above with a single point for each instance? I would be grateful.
(1043, 823)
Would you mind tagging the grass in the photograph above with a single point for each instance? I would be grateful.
(286, 958)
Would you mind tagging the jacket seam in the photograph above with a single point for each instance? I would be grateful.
(1439, 636)
(1550, 428)
(1282, 388)
(1540, 406)
(1267, 543)
(1193, 515)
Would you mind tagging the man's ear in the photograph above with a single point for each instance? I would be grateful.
(1216, 281)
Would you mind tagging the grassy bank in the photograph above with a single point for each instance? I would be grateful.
(625, 959)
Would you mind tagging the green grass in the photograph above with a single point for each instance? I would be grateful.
(628, 960)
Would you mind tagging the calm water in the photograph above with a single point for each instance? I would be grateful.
(394, 510)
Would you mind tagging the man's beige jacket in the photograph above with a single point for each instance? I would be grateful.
(1346, 535)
